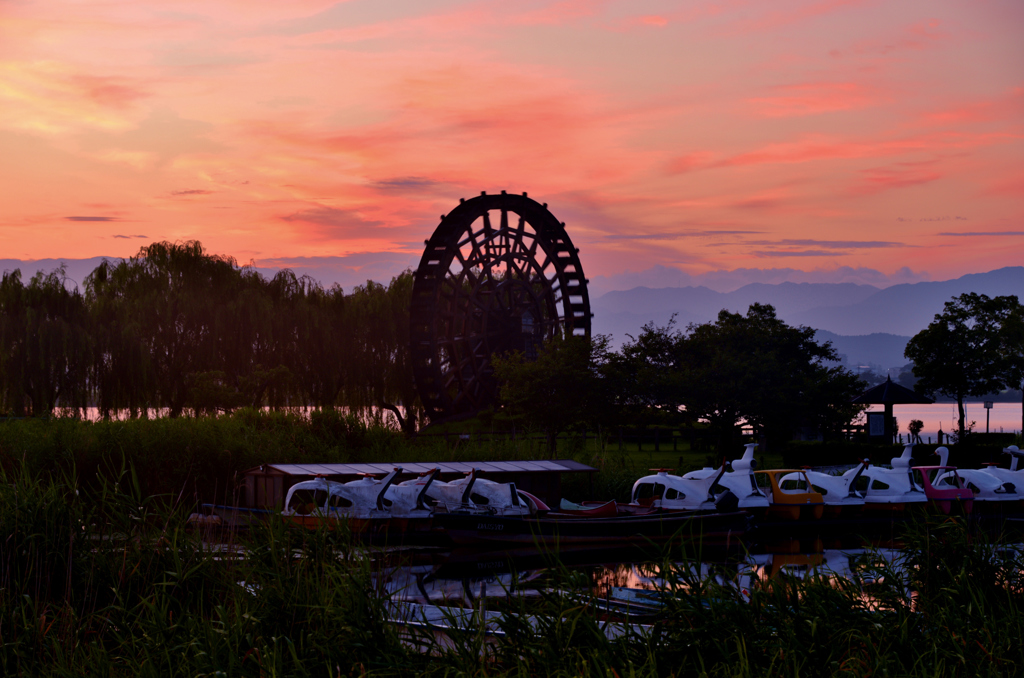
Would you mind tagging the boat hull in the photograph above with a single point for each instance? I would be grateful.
(704, 527)
(375, 530)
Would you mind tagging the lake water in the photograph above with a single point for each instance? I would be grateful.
(472, 578)
(1004, 417)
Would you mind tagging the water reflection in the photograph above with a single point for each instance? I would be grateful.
(635, 582)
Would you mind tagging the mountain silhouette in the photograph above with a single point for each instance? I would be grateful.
(867, 324)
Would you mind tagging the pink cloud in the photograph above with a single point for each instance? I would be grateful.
(689, 162)
(1008, 107)
(813, 98)
(332, 127)
(473, 15)
(558, 13)
(1010, 186)
(653, 20)
(777, 18)
(902, 175)
(820, 147)
(916, 37)
(109, 91)
(333, 222)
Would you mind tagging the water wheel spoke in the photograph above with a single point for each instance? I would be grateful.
(494, 277)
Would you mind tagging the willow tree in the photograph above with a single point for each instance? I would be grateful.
(170, 302)
(381, 375)
(178, 328)
(44, 344)
(319, 342)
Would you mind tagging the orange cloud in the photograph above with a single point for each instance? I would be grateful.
(51, 96)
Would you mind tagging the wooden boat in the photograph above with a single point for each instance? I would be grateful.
(707, 527)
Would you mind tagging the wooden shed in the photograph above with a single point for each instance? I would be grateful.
(266, 486)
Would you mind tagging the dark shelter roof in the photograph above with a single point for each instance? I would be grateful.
(447, 467)
(890, 393)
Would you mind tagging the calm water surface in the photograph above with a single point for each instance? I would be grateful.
(1004, 417)
(474, 580)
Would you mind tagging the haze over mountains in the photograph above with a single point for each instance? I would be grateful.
(347, 271)
(867, 324)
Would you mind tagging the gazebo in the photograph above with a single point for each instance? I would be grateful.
(890, 394)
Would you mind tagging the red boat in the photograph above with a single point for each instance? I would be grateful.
(608, 509)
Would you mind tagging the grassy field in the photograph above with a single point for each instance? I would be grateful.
(202, 458)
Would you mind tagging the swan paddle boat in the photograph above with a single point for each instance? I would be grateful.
(842, 494)
(708, 489)
(473, 494)
(946, 491)
(893, 489)
(995, 489)
(365, 503)
(791, 495)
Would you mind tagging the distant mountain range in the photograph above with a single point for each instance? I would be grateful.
(875, 352)
(870, 326)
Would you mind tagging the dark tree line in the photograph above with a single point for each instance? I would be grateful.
(973, 348)
(751, 368)
(176, 329)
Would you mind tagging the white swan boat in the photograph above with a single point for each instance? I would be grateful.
(369, 504)
(479, 495)
(893, 489)
(373, 505)
(703, 490)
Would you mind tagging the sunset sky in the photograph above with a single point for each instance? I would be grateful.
(822, 135)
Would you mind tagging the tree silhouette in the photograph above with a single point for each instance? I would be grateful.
(44, 344)
(965, 350)
(773, 376)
